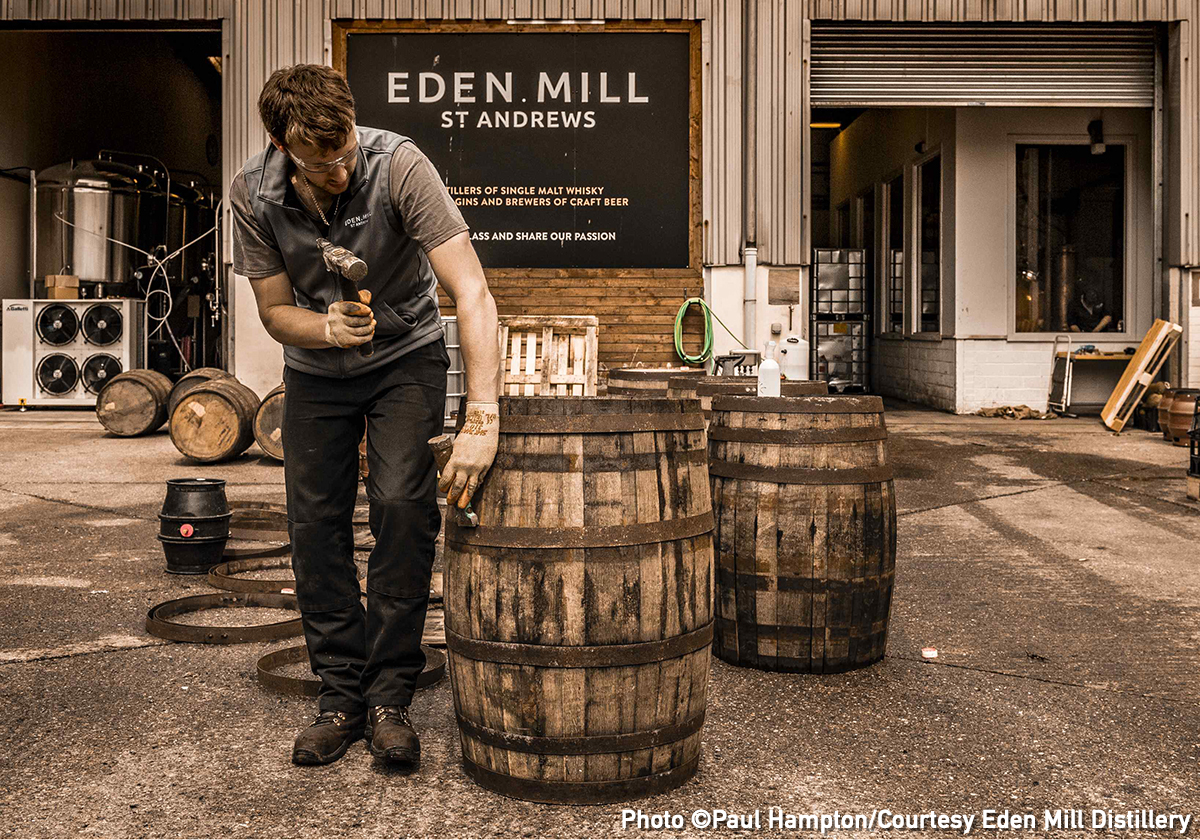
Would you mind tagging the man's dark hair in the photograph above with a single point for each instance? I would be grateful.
(308, 103)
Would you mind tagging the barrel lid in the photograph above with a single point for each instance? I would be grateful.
(571, 406)
(655, 374)
(801, 405)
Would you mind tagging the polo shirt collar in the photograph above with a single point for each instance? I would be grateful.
(275, 183)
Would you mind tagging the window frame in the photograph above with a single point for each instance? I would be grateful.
(885, 269)
(913, 262)
(1132, 313)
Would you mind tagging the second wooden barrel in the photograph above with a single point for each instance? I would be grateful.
(704, 388)
(191, 380)
(134, 402)
(806, 531)
(214, 421)
(1164, 413)
(1179, 415)
(268, 423)
(579, 612)
(646, 382)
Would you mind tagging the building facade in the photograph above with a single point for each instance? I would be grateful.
(991, 158)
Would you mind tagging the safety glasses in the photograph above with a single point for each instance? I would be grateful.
(322, 168)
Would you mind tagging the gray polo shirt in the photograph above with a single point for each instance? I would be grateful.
(394, 212)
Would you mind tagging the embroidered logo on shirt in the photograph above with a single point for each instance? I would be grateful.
(357, 221)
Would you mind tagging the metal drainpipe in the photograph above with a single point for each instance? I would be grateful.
(32, 233)
(750, 109)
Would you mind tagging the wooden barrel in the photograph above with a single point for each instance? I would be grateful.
(1164, 414)
(806, 531)
(268, 423)
(579, 612)
(214, 421)
(646, 382)
(190, 381)
(363, 469)
(1179, 415)
(704, 388)
(134, 403)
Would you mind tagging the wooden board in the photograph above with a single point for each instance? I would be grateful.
(1158, 343)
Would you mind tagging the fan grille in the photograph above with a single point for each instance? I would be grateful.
(58, 324)
(102, 324)
(98, 370)
(58, 374)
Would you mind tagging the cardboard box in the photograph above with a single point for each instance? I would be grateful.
(62, 293)
(62, 281)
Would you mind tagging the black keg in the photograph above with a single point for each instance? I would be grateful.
(194, 524)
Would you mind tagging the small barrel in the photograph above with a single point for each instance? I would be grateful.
(214, 421)
(1179, 415)
(1164, 413)
(806, 531)
(190, 381)
(134, 403)
(704, 388)
(578, 612)
(268, 423)
(194, 524)
(646, 382)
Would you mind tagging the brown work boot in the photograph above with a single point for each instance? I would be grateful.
(327, 738)
(391, 736)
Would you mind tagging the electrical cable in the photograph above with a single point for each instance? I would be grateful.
(102, 236)
(706, 351)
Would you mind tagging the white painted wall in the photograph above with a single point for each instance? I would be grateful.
(995, 367)
(724, 288)
(984, 233)
(256, 358)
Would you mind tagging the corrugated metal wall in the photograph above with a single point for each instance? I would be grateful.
(264, 34)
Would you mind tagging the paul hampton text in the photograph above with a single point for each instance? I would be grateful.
(991, 820)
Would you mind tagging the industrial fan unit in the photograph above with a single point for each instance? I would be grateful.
(61, 352)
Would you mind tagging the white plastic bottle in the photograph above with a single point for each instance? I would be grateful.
(768, 374)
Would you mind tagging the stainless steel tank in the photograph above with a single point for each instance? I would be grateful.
(83, 205)
(191, 215)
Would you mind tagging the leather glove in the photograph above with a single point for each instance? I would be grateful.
(474, 451)
(349, 324)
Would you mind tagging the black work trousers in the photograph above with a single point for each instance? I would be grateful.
(372, 656)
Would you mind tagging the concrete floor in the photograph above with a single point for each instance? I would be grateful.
(1052, 564)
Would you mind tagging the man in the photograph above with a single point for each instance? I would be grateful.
(376, 194)
(1087, 313)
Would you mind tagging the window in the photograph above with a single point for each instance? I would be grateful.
(1070, 238)
(929, 232)
(893, 316)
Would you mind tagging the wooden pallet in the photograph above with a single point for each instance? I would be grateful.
(549, 355)
(1160, 340)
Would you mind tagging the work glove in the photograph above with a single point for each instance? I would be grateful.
(349, 324)
(474, 451)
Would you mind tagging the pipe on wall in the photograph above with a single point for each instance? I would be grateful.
(750, 298)
(750, 175)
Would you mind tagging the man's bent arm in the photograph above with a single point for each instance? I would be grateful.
(458, 269)
(286, 322)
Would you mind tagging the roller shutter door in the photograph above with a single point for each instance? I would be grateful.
(880, 65)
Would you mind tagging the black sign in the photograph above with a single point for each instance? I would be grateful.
(563, 150)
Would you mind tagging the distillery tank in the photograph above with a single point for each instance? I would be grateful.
(192, 214)
(81, 206)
